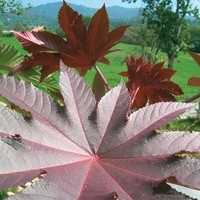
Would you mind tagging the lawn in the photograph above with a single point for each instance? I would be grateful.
(184, 66)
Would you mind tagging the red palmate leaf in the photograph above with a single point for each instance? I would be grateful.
(40, 59)
(79, 29)
(149, 83)
(35, 42)
(72, 25)
(83, 48)
(98, 31)
(113, 38)
(77, 58)
(80, 152)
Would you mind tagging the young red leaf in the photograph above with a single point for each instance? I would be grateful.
(99, 154)
(148, 83)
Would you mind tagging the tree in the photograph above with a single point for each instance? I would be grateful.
(1, 28)
(12, 6)
(167, 20)
(195, 38)
(19, 26)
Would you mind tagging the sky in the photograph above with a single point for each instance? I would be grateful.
(96, 3)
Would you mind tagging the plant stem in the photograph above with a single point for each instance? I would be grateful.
(103, 78)
(192, 98)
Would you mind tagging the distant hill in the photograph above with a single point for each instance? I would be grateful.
(114, 12)
(46, 15)
(50, 10)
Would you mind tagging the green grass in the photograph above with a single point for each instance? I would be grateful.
(184, 65)
(186, 68)
(117, 65)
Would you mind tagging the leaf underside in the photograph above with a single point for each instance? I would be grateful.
(90, 152)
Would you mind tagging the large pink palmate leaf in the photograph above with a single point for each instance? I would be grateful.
(85, 151)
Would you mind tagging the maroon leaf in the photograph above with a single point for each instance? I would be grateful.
(79, 30)
(35, 42)
(148, 83)
(113, 38)
(39, 59)
(72, 25)
(83, 48)
(77, 59)
(83, 152)
(98, 30)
